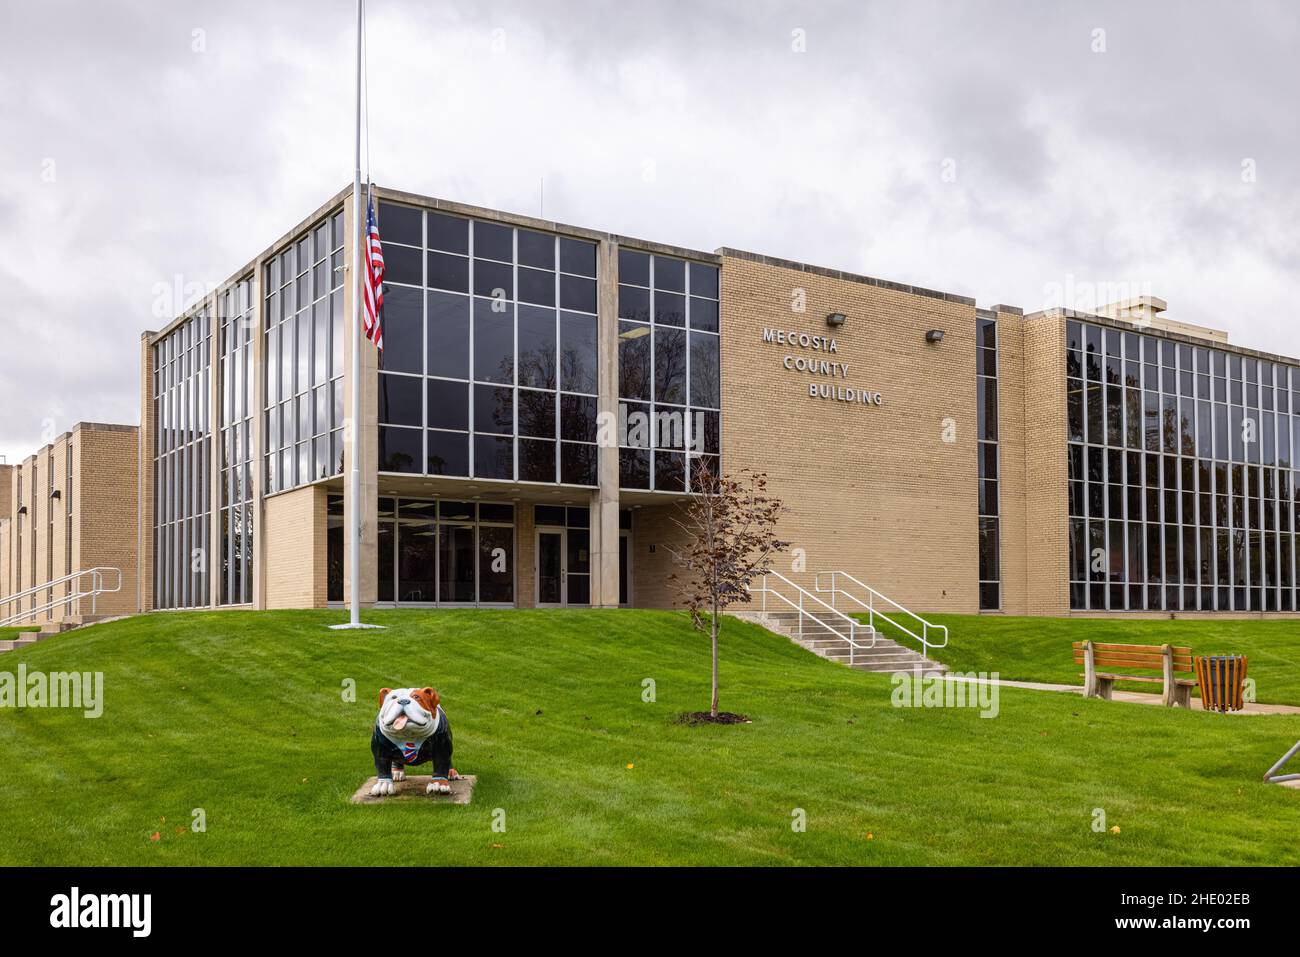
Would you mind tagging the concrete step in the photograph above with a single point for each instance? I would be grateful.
(21, 641)
(878, 655)
(933, 668)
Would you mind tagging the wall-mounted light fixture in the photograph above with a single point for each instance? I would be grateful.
(22, 509)
(835, 320)
(934, 335)
(56, 494)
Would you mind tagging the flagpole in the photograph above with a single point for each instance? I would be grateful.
(354, 478)
(358, 298)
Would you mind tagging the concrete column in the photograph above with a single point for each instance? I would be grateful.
(368, 436)
(604, 501)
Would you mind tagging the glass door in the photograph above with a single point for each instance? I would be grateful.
(550, 567)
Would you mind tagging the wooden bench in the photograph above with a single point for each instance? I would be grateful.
(1165, 659)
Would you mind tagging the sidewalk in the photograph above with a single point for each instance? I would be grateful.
(1131, 697)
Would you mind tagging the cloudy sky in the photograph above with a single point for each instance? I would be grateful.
(1020, 152)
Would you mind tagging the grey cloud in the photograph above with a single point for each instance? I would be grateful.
(1103, 167)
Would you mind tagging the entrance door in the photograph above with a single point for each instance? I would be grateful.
(551, 585)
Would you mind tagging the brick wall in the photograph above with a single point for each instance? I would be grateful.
(6, 517)
(1046, 469)
(105, 495)
(295, 548)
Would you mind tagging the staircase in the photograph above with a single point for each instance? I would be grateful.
(81, 586)
(880, 655)
(826, 630)
(48, 630)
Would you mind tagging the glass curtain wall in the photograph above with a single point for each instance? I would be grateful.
(669, 373)
(182, 460)
(304, 338)
(489, 367)
(1184, 493)
(235, 427)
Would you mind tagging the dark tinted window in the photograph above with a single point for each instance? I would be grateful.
(400, 450)
(493, 241)
(448, 335)
(578, 372)
(448, 233)
(704, 370)
(536, 249)
(634, 267)
(448, 272)
(494, 409)
(400, 400)
(577, 257)
(670, 274)
(448, 453)
(448, 404)
(704, 280)
(536, 347)
(536, 413)
(494, 343)
(403, 316)
(399, 224)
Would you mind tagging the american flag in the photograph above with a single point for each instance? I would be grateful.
(374, 291)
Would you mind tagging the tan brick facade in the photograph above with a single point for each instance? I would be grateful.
(294, 553)
(72, 507)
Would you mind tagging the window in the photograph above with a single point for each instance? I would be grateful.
(495, 375)
(669, 370)
(182, 369)
(986, 372)
(1199, 512)
(235, 446)
(432, 551)
(303, 336)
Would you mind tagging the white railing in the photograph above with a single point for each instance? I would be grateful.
(874, 598)
(81, 585)
(850, 629)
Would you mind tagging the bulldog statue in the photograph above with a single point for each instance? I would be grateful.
(411, 729)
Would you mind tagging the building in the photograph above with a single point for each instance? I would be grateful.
(548, 392)
(958, 459)
(69, 508)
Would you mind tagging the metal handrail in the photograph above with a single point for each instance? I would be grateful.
(854, 626)
(873, 611)
(75, 594)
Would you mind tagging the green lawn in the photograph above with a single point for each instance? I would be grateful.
(240, 713)
(1038, 649)
(8, 634)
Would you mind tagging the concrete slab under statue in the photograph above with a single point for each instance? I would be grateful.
(413, 788)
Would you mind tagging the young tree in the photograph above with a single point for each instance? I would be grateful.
(730, 529)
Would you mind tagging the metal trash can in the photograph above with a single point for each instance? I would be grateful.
(1221, 679)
